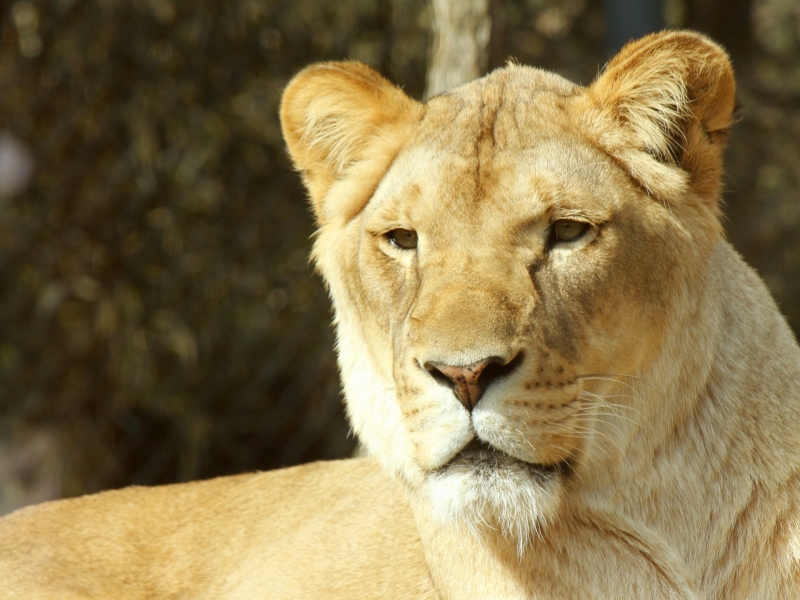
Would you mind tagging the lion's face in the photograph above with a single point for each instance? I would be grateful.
(500, 278)
(505, 263)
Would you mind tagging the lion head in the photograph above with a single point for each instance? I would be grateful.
(508, 260)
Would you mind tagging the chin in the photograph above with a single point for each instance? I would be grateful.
(485, 488)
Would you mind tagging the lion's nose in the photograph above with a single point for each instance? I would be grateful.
(469, 382)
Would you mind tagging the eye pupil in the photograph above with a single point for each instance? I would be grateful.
(405, 239)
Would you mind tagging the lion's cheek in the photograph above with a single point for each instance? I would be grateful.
(439, 438)
(544, 429)
(436, 424)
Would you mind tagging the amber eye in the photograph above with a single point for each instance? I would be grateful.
(405, 239)
(565, 230)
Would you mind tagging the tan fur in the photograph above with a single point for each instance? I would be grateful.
(282, 535)
(643, 439)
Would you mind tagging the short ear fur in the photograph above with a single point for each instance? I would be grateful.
(344, 124)
(662, 107)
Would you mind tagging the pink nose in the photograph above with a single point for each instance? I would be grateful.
(468, 385)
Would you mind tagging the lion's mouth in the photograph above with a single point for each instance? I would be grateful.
(482, 455)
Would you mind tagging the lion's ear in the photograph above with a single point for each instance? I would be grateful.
(343, 124)
(662, 107)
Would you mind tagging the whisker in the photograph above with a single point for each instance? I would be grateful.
(605, 410)
(616, 377)
(610, 379)
(592, 399)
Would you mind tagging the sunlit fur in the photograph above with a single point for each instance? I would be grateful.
(635, 342)
(640, 436)
(493, 491)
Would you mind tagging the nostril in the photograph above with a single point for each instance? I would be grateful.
(439, 376)
(496, 370)
(468, 382)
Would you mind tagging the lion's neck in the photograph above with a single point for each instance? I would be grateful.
(734, 374)
(580, 546)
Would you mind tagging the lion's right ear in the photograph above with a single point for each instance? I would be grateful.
(344, 124)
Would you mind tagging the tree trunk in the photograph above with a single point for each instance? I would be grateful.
(461, 30)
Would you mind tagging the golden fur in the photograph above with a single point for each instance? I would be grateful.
(573, 385)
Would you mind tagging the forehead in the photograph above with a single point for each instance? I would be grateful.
(507, 138)
(512, 107)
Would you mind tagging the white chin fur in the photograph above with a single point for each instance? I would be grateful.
(506, 495)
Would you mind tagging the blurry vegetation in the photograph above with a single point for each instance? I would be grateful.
(158, 317)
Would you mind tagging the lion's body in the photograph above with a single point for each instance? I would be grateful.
(573, 384)
(293, 533)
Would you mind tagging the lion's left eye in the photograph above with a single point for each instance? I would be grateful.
(566, 230)
(405, 239)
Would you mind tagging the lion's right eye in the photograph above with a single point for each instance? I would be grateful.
(405, 239)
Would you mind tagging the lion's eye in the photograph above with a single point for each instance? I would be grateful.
(565, 230)
(405, 239)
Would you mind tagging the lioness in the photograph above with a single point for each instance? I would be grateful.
(572, 384)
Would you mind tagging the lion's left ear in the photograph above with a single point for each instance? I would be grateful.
(343, 124)
(662, 108)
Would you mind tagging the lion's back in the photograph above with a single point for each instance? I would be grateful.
(333, 529)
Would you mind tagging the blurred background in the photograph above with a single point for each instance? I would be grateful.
(159, 320)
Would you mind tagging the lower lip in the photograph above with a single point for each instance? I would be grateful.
(480, 450)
